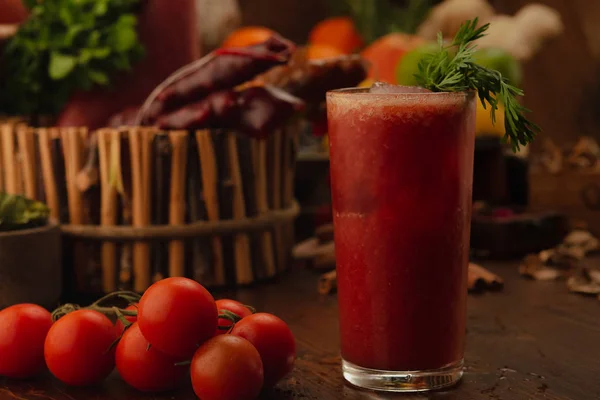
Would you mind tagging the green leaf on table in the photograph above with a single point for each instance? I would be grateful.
(60, 65)
(18, 212)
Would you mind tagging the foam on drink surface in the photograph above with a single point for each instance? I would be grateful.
(386, 88)
(386, 101)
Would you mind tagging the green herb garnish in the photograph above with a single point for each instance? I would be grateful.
(18, 212)
(65, 46)
(452, 68)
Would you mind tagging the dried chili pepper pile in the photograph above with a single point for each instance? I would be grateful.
(251, 90)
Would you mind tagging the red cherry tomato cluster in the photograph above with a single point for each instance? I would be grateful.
(175, 328)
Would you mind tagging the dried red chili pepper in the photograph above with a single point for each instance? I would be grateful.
(311, 79)
(225, 69)
(255, 111)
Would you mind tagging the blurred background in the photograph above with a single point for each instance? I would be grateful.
(58, 72)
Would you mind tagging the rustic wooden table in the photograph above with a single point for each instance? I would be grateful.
(534, 340)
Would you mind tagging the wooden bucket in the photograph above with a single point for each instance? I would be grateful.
(136, 204)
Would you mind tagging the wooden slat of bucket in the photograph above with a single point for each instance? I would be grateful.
(120, 166)
(26, 143)
(245, 148)
(243, 265)
(73, 154)
(108, 209)
(161, 175)
(275, 171)
(290, 144)
(9, 159)
(199, 251)
(179, 142)
(57, 158)
(259, 155)
(208, 164)
(289, 166)
(140, 144)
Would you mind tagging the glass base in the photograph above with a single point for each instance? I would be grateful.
(403, 381)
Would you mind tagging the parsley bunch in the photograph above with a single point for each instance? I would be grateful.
(452, 68)
(65, 46)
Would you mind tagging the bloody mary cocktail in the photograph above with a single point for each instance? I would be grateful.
(401, 179)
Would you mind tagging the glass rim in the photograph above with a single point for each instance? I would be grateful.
(364, 92)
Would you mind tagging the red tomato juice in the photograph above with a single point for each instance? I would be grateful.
(401, 181)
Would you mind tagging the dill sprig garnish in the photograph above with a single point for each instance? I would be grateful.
(452, 68)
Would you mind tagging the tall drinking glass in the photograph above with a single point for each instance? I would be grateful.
(401, 182)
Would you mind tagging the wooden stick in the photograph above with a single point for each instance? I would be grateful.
(140, 145)
(289, 165)
(9, 159)
(243, 263)
(27, 152)
(108, 210)
(19, 166)
(71, 141)
(276, 170)
(72, 150)
(287, 185)
(208, 164)
(179, 144)
(275, 183)
(50, 162)
(259, 154)
(200, 248)
(161, 175)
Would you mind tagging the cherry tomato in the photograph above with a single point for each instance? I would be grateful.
(227, 367)
(78, 348)
(177, 315)
(274, 341)
(146, 369)
(235, 307)
(23, 329)
(119, 327)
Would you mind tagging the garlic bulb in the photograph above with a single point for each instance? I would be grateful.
(216, 20)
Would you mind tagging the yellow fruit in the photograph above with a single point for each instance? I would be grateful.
(367, 83)
(483, 121)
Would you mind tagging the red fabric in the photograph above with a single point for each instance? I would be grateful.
(169, 32)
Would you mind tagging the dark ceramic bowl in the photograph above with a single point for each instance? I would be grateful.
(31, 266)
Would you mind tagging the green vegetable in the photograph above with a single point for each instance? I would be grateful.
(66, 46)
(17, 212)
(376, 18)
(409, 64)
(501, 61)
(453, 68)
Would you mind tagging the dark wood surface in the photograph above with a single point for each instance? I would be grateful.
(534, 340)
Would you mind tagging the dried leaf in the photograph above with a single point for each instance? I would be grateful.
(585, 282)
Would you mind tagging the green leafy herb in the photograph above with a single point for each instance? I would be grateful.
(376, 18)
(17, 212)
(66, 46)
(452, 68)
